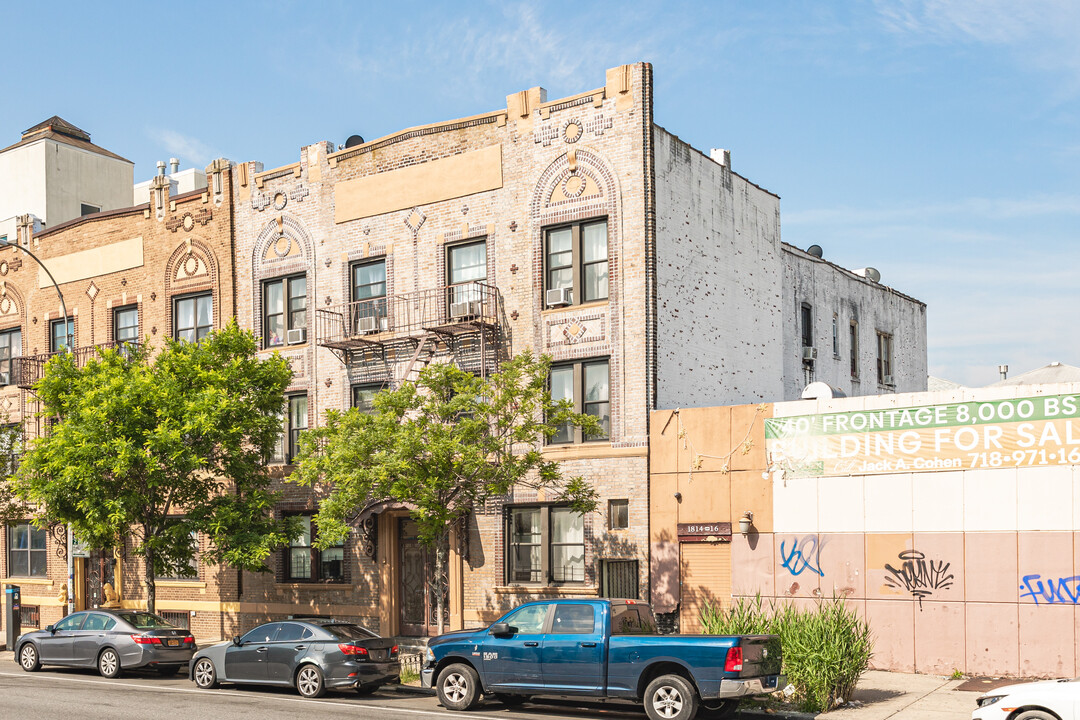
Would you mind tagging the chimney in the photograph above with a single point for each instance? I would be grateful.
(174, 166)
(721, 156)
(1004, 370)
(161, 168)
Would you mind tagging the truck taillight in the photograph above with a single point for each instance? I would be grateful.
(734, 660)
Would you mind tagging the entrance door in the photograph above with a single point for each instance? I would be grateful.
(100, 571)
(418, 601)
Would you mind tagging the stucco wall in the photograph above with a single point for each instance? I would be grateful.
(719, 316)
(74, 176)
(831, 291)
(22, 181)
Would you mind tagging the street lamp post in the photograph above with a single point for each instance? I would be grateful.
(68, 326)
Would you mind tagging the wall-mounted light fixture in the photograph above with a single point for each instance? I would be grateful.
(746, 522)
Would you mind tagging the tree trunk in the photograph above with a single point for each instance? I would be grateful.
(440, 581)
(151, 583)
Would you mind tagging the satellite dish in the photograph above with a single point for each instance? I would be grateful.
(869, 273)
(353, 141)
(821, 391)
(814, 250)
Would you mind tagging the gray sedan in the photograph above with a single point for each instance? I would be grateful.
(312, 655)
(110, 640)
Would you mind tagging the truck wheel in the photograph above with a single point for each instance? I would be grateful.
(723, 710)
(670, 697)
(458, 687)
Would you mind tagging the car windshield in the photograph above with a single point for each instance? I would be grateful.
(146, 621)
(345, 631)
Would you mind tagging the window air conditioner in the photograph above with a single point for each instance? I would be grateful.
(809, 354)
(887, 380)
(467, 309)
(558, 297)
(296, 336)
(367, 325)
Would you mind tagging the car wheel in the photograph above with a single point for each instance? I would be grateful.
(511, 700)
(204, 674)
(724, 710)
(670, 697)
(458, 687)
(1035, 715)
(309, 681)
(108, 663)
(168, 670)
(28, 658)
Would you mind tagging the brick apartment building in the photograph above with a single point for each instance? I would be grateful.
(652, 274)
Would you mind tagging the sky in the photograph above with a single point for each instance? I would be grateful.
(936, 141)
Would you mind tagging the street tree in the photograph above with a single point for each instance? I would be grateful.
(443, 446)
(12, 508)
(150, 449)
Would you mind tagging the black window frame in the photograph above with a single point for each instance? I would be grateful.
(288, 312)
(885, 358)
(853, 351)
(177, 299)
(578, 263)
(7, 364)
(69, 334)
(315, 557)
(363, 387)
(88, 209)
(836, 335)
(288, 441)
(30, 550)
(579, 367)
(806, 324)
(116, 327)
(545, 574)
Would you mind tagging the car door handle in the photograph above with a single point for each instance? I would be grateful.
(588, 644)
(300, 647)
(531, 643)
(262, 649)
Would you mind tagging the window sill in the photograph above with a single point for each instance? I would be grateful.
(582, 306)
(591, 450)
(311, 586)
(180, 583)
(26, 581)
(567, 590)
(279, 348)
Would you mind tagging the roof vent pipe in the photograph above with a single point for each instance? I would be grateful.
(161, 168)
(174, 166)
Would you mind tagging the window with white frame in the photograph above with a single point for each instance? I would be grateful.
(884, 358)
(10, 348)
(28, 554)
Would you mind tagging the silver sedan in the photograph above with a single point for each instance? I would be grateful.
(110, 640)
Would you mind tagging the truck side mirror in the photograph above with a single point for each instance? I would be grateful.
(501, 629)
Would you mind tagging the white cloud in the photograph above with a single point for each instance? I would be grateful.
(190, 150)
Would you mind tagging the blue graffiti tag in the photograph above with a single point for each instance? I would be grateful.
(1062, 591)
(805, 555)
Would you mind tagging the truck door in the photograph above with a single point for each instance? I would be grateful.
(574, 650)
(513, 661)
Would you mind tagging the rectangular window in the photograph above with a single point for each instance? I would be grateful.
(466, 264)
(59, 334)
(88, 209)
(835, 335)
(27, 552)
(193, 317)
(126, 324)
(546, 545)
(305, 563)
(191, 572)
(294, 423)
(369, 297)
(884, 359)
(853, 335)
(619, 579)
(284, 309)
(10, 348)
(807, 325)
(587, 385)
(618, 514)
(363, 396)
(11, 447)
(576, 260)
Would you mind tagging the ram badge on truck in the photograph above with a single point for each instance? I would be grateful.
(602, 649)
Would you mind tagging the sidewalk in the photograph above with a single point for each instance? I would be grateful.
(897, 696)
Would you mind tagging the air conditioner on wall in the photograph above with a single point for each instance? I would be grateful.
(809, 354)
(469, 309)
(557, 297)
(367, 325)
(887, 380)
(296, 336)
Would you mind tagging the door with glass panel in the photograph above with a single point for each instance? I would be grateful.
(466, 271)
(418, 600)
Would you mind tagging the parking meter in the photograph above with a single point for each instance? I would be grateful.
(12, 614)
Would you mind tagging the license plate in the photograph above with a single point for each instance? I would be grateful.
(172, 643)
(378, 655)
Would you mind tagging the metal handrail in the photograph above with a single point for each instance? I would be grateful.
(31, 368)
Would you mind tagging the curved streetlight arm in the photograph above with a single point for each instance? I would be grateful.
(69, 327)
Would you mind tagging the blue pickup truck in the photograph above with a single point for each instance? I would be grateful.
(601, 649)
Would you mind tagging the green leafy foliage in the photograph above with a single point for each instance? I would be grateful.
(443, 445)
(12, 508)
(826, 648)
(149, 449)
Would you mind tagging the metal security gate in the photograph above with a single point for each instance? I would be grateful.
(705, 577)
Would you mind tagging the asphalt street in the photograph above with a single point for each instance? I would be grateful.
(70, 694)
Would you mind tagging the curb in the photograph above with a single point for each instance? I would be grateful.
(409, 690)
(776, 714)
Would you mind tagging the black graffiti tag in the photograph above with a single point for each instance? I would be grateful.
(919, 576)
